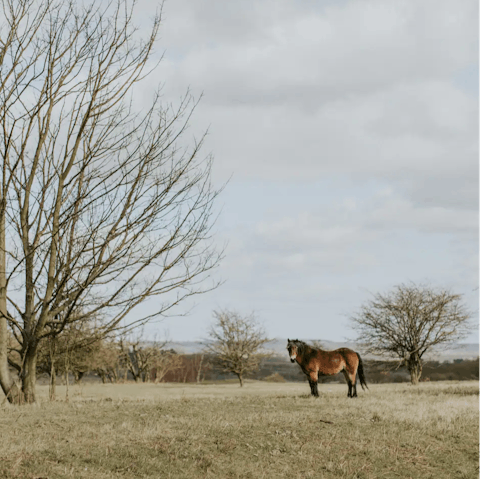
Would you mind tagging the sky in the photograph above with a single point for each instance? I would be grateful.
(346, 133)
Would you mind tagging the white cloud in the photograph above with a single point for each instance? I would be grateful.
(295, 90)
(265, 53)
(353, 116)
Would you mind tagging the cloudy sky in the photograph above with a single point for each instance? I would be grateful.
(349, 133)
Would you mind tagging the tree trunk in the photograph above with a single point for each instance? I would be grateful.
(53, 382)
(67, 386)
(53, 373)
(199, 369)
(8, 385)
(78, 376)
(29, 374)
(415, 368)
(114, 376)
(67, 372)
(102, 375)
(240, 378)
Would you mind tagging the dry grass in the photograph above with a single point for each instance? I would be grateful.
(262, 430)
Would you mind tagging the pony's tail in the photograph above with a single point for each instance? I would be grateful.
(361, 373)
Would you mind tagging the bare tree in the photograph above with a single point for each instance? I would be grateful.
(142, 360)
(410, 320)
(236, 343)
(75, 348)
(106, 361)
(138, 358)
(100, 205)
(164, 362)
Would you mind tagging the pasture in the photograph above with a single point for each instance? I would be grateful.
(262, 430)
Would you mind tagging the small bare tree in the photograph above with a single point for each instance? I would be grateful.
(164, 362)
(236, 343)
(100, 204)
(138, 358)
(106, 361)
(410, 320)
(144, 361)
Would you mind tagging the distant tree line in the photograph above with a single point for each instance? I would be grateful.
(388, 371)
(119, 360)
(278, 369)
(124, 360)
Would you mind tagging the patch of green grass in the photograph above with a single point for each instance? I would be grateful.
(262, 430)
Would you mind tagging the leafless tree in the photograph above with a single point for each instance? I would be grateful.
(137, 359)
(236, 343)
(100, 204)
(144, 359)
(76, 348)
(164, 362)
(106, 361)
(410, 320)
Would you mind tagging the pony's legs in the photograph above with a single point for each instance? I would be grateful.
(352, 387)
(353, 379)
(355, 389)
(313, 381)
(313, 388)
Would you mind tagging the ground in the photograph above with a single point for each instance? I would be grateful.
(262, 430)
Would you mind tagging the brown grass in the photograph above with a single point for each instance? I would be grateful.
(260, 430)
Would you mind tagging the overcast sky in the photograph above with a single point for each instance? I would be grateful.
(349, 132)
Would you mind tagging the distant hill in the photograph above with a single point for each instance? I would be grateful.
(278, 347)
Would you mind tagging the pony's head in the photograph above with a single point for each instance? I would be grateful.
(292, 348)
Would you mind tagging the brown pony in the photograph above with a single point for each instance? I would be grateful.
(316, 362)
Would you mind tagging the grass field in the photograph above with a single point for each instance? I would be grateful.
(263, 430)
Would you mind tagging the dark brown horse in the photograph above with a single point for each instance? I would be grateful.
(316, 362)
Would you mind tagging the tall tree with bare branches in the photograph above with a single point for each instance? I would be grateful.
(100, 204)
(236, 343)
(409, 321)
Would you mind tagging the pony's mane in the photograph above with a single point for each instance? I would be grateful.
(301, 345)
